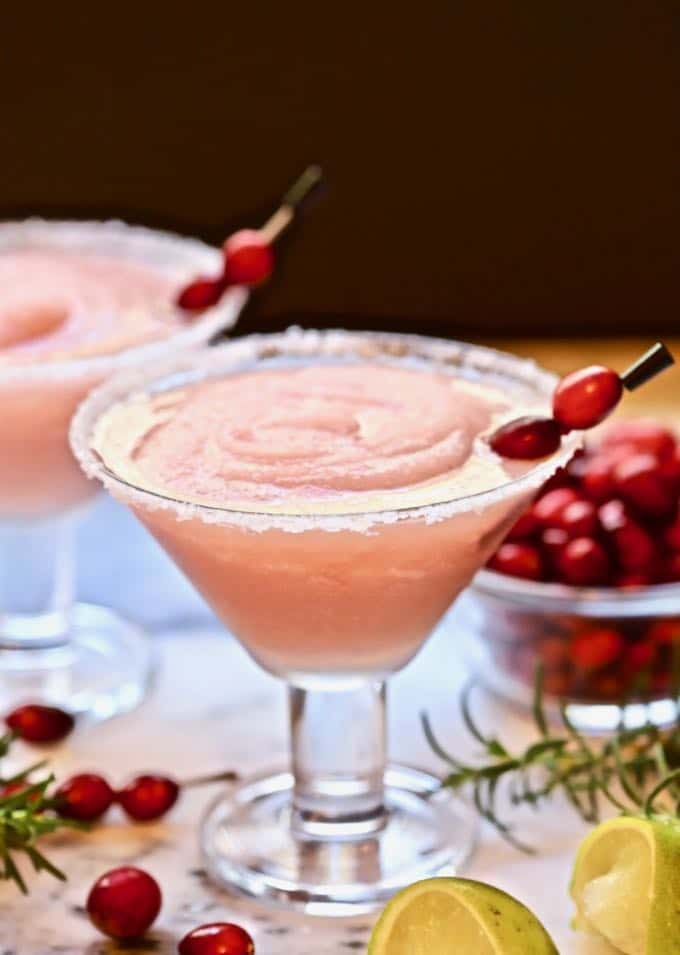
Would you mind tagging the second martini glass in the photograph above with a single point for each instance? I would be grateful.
(334, 604)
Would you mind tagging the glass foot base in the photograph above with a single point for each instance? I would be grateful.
(102, 669)
(248, 846)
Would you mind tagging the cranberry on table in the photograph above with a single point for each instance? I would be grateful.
(201, 293)
(526, 438)
(583, 562)
(124, 903)
(35, 723)
(86, 797)
(13, 789)
(248, 258)
(148, 797)
(518, 560)
(585, 397)
(217, 938)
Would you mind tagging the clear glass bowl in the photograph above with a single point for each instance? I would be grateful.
(611, 656)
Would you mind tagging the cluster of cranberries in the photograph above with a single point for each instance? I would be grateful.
(248, 259)
(582, 400)
(88, 796)
(125, 902)
(610, 518)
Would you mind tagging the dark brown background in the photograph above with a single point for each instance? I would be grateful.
(492, 167)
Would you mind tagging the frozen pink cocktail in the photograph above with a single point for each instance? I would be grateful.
(330, 494)
(78, 301)
(332, 441)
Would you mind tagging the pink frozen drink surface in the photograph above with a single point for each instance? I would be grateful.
(58, 306)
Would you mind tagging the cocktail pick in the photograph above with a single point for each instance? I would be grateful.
(248, 255)
(582, 400)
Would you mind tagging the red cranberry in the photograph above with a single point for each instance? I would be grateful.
(13, 789)
(40, 724)
(613, 515)
(672, 534)
(585, 397)
(640, 657)
(86, 797)
(596, 649)
(526, 438)
(583, 562)
(548, 508)
(124, 903)
(597, 481)
(563, 477)
(640, 482)
(148, 797)
(553, 541)
(665, 632)
(518, 560)
(248, 259)
(219, 938)
(201, 293)
(579, 519)
(526, 526)
(670, 571)
(643, 435)
(669, 468)
(631, 579)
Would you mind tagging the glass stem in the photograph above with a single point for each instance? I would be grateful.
(36, 583)
(338, 743)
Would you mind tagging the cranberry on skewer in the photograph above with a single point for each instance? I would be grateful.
(86, 797)
(248, 254)
(582, 400)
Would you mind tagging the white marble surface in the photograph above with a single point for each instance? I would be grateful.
(212, 709)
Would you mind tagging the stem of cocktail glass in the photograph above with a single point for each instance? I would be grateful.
(36, 582)
(338, 741)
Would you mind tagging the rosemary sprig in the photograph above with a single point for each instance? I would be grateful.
(26, 816)
(632, 771)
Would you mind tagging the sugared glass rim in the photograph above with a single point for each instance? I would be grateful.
(245, 352)
(168, 251)
(545, 598)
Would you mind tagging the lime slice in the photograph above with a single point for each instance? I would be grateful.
(458, 917)
(626, 884)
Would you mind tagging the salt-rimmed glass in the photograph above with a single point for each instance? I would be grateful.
(83, 657)
(332, 604)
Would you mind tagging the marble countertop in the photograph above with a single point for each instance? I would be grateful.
(212, 709)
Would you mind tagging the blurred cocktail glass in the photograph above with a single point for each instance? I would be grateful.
(78, 301)
(330, 579)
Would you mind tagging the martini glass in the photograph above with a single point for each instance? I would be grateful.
(84, 658)
(333, 604)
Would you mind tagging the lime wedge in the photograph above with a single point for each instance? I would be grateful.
(626, 884)
(458, 917)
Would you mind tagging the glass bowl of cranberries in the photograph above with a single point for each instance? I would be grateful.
(586, 586)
